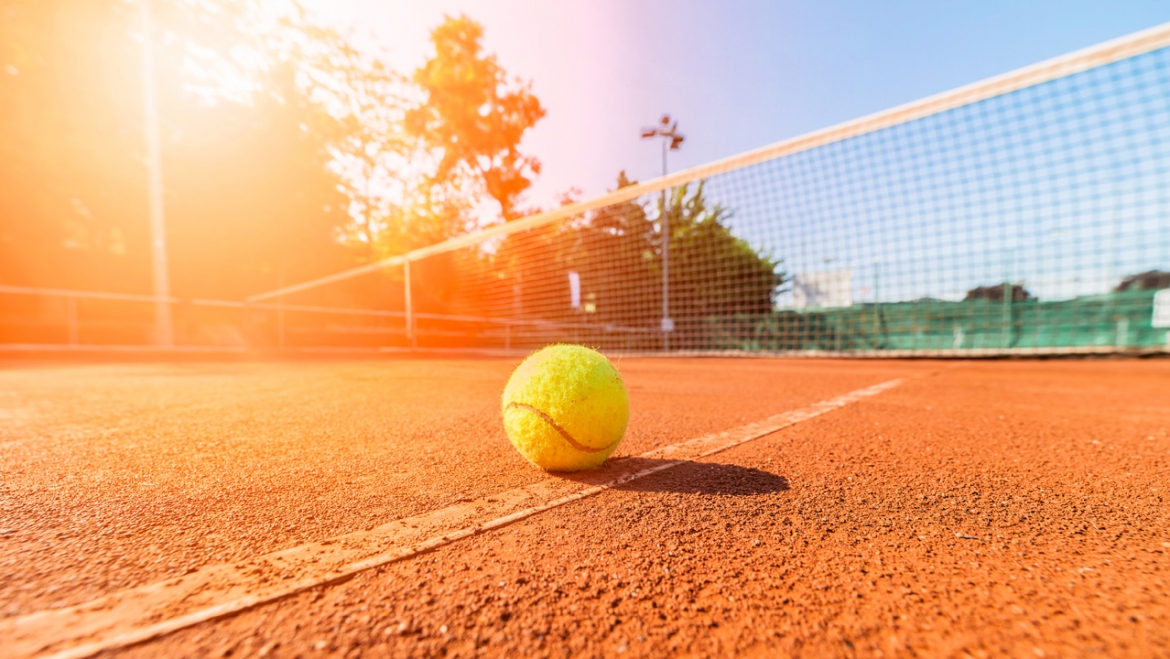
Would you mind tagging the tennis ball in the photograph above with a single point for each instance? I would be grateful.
(565, 408)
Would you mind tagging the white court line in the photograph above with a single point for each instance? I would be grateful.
(140, 614)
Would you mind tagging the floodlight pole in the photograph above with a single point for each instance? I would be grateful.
(164, 331)
(667, 323)
(408, 306)
(671, 139)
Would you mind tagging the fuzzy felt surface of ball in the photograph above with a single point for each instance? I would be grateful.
(565, 408)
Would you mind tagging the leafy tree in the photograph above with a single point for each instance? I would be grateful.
(1145, 281)
(260, 112)
(617, 253)
(65, 149)
(474, 119)
(712, 272)
(995, 293)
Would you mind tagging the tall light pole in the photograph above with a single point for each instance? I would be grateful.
(671, 139)
(164, 333)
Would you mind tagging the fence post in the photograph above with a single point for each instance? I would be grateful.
(667, 323)
(71, 319)
(280, 324)
(877, 308)
(280, 310)
(410, 334)
(1007, 315)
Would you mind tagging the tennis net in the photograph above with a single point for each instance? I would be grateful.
(1025, 214)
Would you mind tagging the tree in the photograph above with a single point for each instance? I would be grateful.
(1145, 281)
(616, 252)
(712, 272)
(995, 293)
(474, 119)
(370, 150)
(259, 111)
(67, 215)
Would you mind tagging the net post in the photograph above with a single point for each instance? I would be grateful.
(246, 323)
(71, 317)
(666, 326)
(665, 275)
(410, 333)
(1007, 315)
(665, 262)
(280, 324)
(280, 333)
(877, 306)
(1008, 291)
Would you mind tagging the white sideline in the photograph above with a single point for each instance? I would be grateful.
(140, 614)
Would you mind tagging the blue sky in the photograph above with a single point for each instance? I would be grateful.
(1061, 186)
(738, 74)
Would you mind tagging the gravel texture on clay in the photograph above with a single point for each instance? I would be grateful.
(117, 476)
(979, 509)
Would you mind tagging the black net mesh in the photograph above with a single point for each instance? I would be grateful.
(1036, 220)
(1025, 214)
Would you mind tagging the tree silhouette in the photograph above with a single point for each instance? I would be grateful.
(1144, 281)
(474, 117)
(995, 293)
(256, 113)
(616, 253)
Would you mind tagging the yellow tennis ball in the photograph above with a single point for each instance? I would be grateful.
(565, 408)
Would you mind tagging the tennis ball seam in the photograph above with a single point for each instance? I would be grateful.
(555, 426)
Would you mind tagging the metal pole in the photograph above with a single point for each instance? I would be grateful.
(666, 324)
(280, 311)
(280, 326)
(1114, 264)
(877, 308)
(517, 308)
(1006, 307)
(71, 314)
(1006, 315)
(409, 309)
(164, 333)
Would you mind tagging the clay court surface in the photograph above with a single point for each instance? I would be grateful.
(969, 508)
